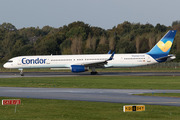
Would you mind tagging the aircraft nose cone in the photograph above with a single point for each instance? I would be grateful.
(5, 65)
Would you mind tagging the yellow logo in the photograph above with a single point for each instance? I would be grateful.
(164, 47)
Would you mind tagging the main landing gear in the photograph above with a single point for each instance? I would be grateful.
(21, 73)
(93, 71)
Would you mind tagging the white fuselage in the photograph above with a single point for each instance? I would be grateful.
(65, 61)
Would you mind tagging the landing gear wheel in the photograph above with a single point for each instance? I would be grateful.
(94, 73)
(21, 73)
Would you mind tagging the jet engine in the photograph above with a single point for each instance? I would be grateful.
(79, 68)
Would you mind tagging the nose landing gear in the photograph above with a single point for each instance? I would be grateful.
(21, 73)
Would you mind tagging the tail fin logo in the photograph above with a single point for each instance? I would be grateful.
(164, 46)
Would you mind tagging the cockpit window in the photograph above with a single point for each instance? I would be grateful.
(10, 61)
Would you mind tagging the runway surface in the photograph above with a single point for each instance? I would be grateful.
(98, 95)
(66, 74)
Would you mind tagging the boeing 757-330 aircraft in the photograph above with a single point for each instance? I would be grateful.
(81, 63)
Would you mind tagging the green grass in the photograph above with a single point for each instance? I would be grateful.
(161, 94)
(43, 109)
(108, 82)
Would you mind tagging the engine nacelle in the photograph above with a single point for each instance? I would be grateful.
(79, 68)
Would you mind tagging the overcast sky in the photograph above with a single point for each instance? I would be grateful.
(99, 13)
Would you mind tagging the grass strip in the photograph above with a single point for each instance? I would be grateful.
(44, 109)
(104, 82)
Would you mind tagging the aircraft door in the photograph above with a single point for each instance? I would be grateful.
(148, 59)
(19, 61)
(122, 59)
(48, 61)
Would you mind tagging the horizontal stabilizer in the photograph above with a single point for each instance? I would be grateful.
(166, 57)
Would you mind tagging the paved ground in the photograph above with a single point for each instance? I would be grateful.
(64, 74)
(99, 95)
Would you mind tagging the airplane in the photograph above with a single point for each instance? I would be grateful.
(81, 63)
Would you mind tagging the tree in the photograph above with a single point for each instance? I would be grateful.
(24, 50)
(46, 29)
(8, 27)
(102, 49)
(112, 43)
(151, 40)
(2, 34)
(137, 44)
(65, 47)
(124, 46)
(103, 40)
(177, 22)
(160, 28)
(176, 27)
(144, 44)
(78, 31)
(76, 46)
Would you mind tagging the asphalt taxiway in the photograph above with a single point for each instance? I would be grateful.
(66, 74)
(96, 95)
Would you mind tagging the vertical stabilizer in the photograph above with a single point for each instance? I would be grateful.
(163, 47)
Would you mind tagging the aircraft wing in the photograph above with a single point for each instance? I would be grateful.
(97, 63)
(100, 63)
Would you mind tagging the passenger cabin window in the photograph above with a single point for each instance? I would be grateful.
(61, 59)
(97, 59)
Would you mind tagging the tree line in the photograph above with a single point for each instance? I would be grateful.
(81, 38)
